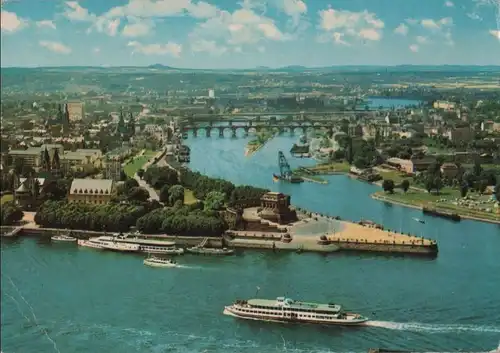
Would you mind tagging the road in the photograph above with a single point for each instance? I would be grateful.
(153, 195)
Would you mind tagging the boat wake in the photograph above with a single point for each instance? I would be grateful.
(432, 328)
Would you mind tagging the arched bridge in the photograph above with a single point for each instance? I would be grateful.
(253, 127)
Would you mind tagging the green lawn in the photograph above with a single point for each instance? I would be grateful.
(189, 197)
(137, 162)
(424, 199)
(342, 167)
(6, 198)
(394, 175)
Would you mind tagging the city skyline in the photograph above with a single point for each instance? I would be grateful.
(250, 33)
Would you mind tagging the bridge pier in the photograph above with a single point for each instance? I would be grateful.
(207, 132)
(221, 132)
(195, 132)
(233, 133)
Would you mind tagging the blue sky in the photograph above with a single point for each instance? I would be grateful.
(249, 33)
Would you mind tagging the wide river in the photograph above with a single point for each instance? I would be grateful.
(64, 299)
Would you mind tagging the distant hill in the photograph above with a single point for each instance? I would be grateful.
(160, 66)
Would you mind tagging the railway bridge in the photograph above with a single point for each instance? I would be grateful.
(255, 127)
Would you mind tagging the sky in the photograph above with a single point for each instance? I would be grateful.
(222, 34)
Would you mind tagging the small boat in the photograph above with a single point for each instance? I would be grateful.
(159, 262)
(288, 310)
(63, 238)
(209, 251)
(419, 220)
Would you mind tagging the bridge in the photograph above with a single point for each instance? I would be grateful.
(255, 127)
(302, 115)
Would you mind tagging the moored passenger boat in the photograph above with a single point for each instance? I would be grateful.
(90, 244)
(288, 310)
(63, 238)
(150, 246)
(209, 251)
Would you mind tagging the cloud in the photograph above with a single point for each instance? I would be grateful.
(241, 28)
(414, 48)
(162, 8)
(46, 23)
(436, 25)
(295, 9)
(11, 23)
(439, 28)
(337, 24)
(401, 29)
(172, 49)
(103, 25)
(474, 16)
(137, 29)
(56, 47)
(75, 12)
(449, 4)
(211, 47)
(495, 33)
(421, 39)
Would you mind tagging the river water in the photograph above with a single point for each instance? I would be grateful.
(63, 299)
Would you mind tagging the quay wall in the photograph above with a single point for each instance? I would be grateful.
(388, 248)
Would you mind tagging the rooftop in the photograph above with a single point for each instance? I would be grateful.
(295, 304)
(91, 186)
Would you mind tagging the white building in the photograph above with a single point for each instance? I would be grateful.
(211, 93)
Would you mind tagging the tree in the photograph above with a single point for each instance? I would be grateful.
(405, 185)
(138, 194)
(176, 193)
(438, 184)
(214, 201)
(10, 213)
(140, 173)
(477, 169)
(464, 188)
(388, 185)
(164, 193)
(429, 184)
(497, 192)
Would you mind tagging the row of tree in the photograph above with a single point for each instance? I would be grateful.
(182, 220)
(212, 190)
(113, 217)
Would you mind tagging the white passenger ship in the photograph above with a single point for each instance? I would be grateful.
(288, 310)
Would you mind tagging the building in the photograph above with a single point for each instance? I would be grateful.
(94, 191)
(113, 168)
(460, 134)
(75, 110)
(411, 166)
(27, 194)
(490, 126)
(449, 170)
(444, 105)
(211, 94)
(34, 156)
(276, 208)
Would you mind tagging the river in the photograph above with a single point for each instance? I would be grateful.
(64, 299)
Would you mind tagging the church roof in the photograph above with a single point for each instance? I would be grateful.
(41, 181)
(22, 188)
(91, 186)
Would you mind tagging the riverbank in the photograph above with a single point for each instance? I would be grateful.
(402, 200)
(351, 237)
(256, 144)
